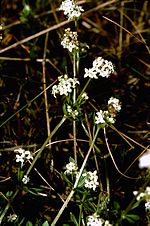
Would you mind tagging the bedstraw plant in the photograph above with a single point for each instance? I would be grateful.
(86, 198)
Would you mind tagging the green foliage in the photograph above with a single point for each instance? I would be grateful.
(45, 223)
(29, 223)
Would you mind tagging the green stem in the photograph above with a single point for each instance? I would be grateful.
(107, 180)
(74, 101)
(84, 88)
(45, 143)
(81, 208)
(76, 182)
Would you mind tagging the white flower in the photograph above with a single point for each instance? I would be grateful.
(107, 223)
(25, 179)
(103, 117)
(147, 206)
(72, 113)
(22, 155)
(71, 168)
(71, 9)
(85, 96)
(144, 160)
(20, 158)
(94, 220)
(135, 193)
(99, 118)
(28, 155)
(143, 195)
(101, 68)
(147, 190)
(70, 40)
(91, 73)
(114, 102)
(91, 180)
(65, 86)
(11, 217)
(139, 196)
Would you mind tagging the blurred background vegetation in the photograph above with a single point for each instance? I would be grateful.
(116, 30)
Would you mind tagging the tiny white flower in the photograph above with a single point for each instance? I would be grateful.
(71, 112)
(28, 155)
(11, 217)
(135, 193)
(114, 102)
(65, 85)
(94, 220)
(147, 190)
(91, 180)
(144, 160)
(70, 40)
(71, 168)
(104, 117)
(107, 223)
(108, 117)
(99, 118)
(20, 158)
(71, 9)
(143, 195)
(85, 96)
(91, 73)
(101, 68)
(22, 155)
(147, 206)
(25, 179)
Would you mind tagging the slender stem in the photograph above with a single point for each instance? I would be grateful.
(74, 100)
(81, 208)
(26, 105)
(76, 182)
(107, 144)
(44, 85)
(121, 31)
(45, 143)
(84, 88)
(107, 181)
(74, 141)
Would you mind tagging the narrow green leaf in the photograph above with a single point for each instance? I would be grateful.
(29, 223)
(45, 223)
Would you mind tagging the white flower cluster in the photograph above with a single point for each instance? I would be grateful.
(85, 96)
(144, 196)
(22, 155)
(11, 217)
(108, 117)
(95, 220)
(144, 160)
(70, 40)
(104, 117)
(25, 179)
(65, 85)
(114, 102)
(71, 9)
(101, 68)
(71, 168)
(91, 179)
(72, 113)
